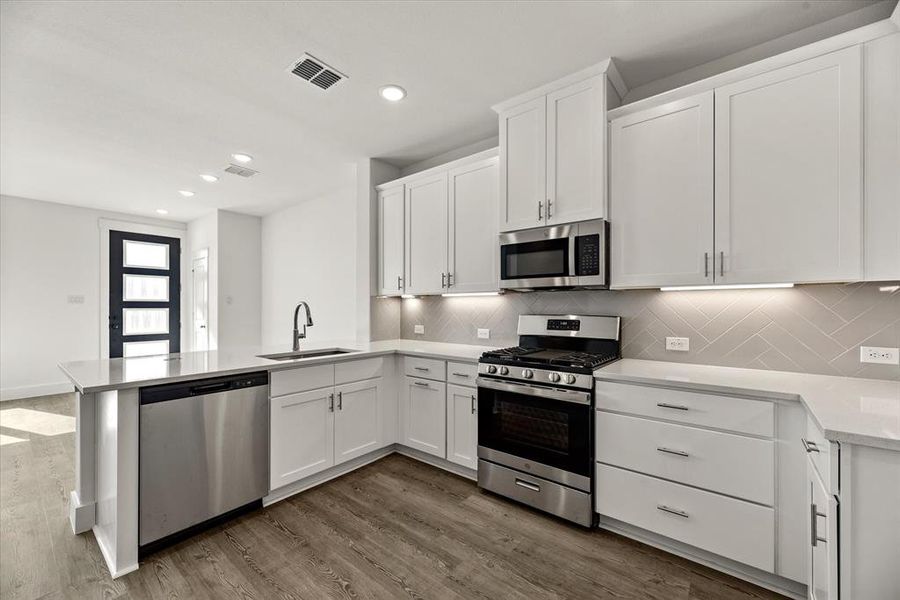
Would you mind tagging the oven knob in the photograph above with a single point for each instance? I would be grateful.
(570, 379)
(504, 371)
(491, 369)
(554, 377)
(527, 373)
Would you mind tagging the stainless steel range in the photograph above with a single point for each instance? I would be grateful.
(536, 412)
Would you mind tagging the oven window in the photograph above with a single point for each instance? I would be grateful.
(546, 258)
(533, 426)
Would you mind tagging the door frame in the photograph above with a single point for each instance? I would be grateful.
(107, 225)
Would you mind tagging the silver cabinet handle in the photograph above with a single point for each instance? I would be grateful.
(721, 263)
(814, 514)
(399, 282)
(528, 485)
(549, 208)
(340, 400)
(473, 404)
(670, 451)
(443, 280)
(420, 384)
(424, 369)
(330, 402)
(706, 265)
(449, 279)
(672, 511)
(540, 210)
(466, 375)
(672, 406)
(809, 446)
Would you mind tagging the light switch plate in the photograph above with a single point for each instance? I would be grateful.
(679, 344)
(879, 356)
(419, 329)
(484, 334)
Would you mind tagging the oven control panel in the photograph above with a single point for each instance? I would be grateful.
(563, 325)
(558, 379)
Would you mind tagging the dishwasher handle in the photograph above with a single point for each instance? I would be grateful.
(202, 387)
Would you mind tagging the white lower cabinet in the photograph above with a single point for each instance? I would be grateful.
(423, 416)
(302, 436)
(357, 418)
(462, 425)
(822, 535)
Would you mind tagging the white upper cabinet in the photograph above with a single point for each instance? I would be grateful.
(661, 217)
(473, 251)
(553, 151)
(788, 173)
(576, 152)
(426, 234)
(523, 164)
(390, 241)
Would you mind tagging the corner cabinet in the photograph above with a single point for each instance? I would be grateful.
(462, 425)
(757, 181)
(422, 416)
(553, 151)
(391, 240)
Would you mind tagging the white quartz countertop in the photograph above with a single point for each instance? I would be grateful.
(91, 376)
(846, 409)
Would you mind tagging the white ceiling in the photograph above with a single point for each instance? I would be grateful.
(117, 105)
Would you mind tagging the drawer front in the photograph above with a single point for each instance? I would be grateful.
(819, 450)
(358, 370)
(731, 528)
(755, 417)
(462, 373)
(722, 462)
(426, 368)
(302, 379)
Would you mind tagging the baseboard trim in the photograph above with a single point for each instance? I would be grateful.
(438, 462)
(114, 571)
(32, 391)
(770, 581)
(82, 517)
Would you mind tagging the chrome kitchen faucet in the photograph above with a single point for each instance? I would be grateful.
(309, 323)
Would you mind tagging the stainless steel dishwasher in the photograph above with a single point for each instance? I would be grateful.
(204, 454)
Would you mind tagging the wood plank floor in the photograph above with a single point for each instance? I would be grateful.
(394, 529)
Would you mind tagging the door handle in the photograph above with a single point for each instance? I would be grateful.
(721, 263)
(443, 280)
(340, 400)
(814, 537)
(421, 384)
(540, 210)
(675, 452)
(809, 446)
(449, 280)
(330, 402)
(473, 404)
(706, 265)
(528, 485)
(399, 282)
(549, 208)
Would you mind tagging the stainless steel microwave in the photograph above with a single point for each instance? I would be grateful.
(562, 256)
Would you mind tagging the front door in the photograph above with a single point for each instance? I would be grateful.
(144, 294)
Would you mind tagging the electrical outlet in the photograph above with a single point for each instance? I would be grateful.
(880, 356)
(484, 334)
(679, 344)
(75, 299)
(419, 329)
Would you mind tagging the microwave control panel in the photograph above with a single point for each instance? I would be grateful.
(587, 255)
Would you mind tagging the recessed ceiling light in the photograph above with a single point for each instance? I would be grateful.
(392, 93)
(242, 158)
(209, 178)
(162, 211)
(186, 193)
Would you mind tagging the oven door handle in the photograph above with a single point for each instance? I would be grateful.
(533, 390)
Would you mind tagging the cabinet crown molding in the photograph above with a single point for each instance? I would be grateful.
(484, 154)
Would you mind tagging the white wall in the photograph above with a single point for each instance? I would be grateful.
(48, 252)
(309, 253)
(239, 281)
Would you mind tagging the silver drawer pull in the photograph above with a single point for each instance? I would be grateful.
(672, 511)
(675, 406)
(460, 375)
(420, 383)
(809, 446)
(670, 451)
(425, 369)
(528, 485)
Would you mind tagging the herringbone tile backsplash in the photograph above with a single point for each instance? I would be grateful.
(810, 328)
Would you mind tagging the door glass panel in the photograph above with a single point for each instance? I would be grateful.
(140, 321)
(131, 349)
(146, 255)
(153, 288)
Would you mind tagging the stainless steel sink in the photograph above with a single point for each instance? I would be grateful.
(306, 354)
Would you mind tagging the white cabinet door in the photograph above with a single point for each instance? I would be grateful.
(523, 165)
(661, 200)
(474, 247)
(423, 416)
(788, 173)
(426, 234)
(357, 419)
(822, 538)
(576, 155)
(462, 426)
(302, 436)
(390, 241)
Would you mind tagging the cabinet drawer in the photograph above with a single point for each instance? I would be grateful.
(731, 528)
(722, 462)
(819, 451)
(755, 417)
(357, 370)
(462, 373)
(302, 379)
(427, 368)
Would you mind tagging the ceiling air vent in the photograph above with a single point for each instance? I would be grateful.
(316, 72)
(239, 170)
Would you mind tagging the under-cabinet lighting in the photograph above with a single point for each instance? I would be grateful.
(161, 211)
(736, 286)
(889, 288)
(407, 296)
(464, 294)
